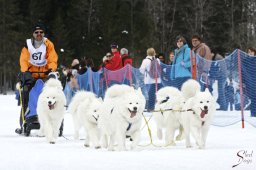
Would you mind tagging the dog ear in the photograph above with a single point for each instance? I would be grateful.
(139, 91)
(207, 90)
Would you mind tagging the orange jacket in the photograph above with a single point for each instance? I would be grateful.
(51, 57)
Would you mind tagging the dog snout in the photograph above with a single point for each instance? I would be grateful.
(205, 107)
(49, 102)
(135, 108)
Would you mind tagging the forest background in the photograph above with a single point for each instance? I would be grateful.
(86, 28)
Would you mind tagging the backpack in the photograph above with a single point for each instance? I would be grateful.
(155, 68)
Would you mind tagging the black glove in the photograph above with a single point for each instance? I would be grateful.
(48, 71)
(26, 78)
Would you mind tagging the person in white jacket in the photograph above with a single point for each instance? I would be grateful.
(151, 84)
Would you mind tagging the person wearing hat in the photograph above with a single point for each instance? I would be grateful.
(38, 60)
(38, 56)
(112, 61)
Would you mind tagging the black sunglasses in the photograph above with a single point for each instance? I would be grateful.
(37, 32)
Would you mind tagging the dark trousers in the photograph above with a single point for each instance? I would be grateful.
(151, 89)
(177, 82)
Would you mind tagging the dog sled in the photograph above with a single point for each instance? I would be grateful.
(28, 91)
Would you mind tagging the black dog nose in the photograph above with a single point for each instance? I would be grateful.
(49, 102)
(135, 108)
(205, 107)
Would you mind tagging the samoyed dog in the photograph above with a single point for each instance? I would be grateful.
(168, 113)
(198, 113)
(121, 116)
(84, 108)
(50, 109)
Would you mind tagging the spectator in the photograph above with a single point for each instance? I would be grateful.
(151, 84)
(126, 59)
(166, 70)
(113, 61)
(181, 70)
(161, 57)
(251, 51)
(171, 58)
(90, 64)
(71, 78)
(127, 72)
(203, 66)
(218, 71)
(230, 94)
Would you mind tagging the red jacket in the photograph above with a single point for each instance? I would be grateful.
(115, 63)
(126, 60)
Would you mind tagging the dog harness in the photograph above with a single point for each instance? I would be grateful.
(96, 118)
(129, 126)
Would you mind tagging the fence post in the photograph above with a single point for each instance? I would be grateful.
(193, 64)
(241, 86)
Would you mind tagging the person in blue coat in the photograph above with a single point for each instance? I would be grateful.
(181, 70)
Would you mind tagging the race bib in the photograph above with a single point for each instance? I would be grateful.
(37, 55)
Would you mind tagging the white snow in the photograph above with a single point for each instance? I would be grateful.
(34, 153)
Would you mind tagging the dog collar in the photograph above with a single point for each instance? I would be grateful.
(165, 100)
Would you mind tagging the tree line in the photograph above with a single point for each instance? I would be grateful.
(86, 28)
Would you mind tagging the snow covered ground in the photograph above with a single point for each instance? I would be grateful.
(226, 146)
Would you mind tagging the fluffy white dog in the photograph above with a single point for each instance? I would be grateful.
(121, 116)
(198, 113)
(169, 105)
(84, 108)
(51, 108)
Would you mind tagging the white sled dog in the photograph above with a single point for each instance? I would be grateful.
(198, 113)
(121, 116)
(51, 108)
(169, 105)
(84, 108)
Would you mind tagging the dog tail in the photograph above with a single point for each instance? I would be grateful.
(190, 88)
(79, 97)
(117, 90)
(53, 83)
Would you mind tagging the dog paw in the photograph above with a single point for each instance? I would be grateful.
(97, 147)
(86, 145)
(188, 146)
(202, 147)
(40, 134)
(179, 137)
(52, 142)
(110, 149)
(172, 143)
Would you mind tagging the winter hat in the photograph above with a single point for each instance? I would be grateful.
(114, 45)
(123, 51)
(38, 26)
(75, 62)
